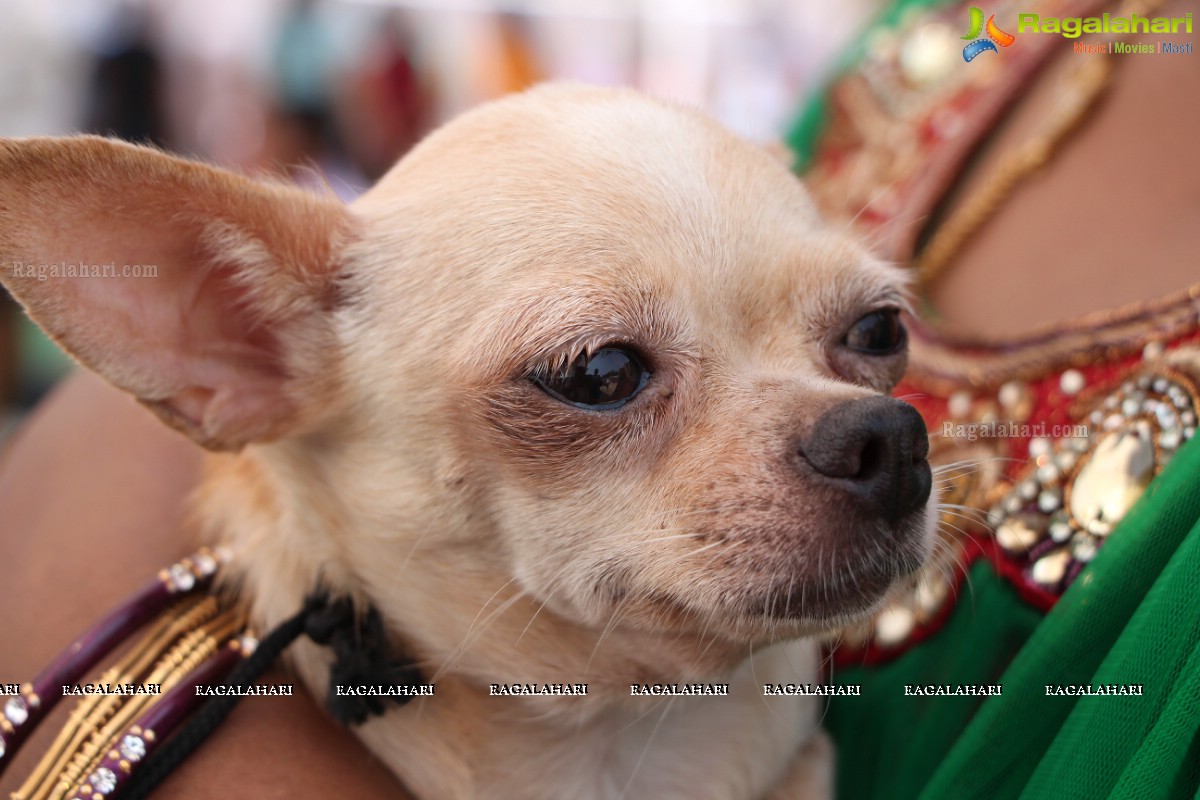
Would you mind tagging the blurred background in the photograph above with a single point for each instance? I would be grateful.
(334, 92)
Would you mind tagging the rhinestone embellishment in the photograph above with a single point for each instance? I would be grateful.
(133, 748)
(182, 578)
(1114, 477)
(1072, 382)
(103, 780)
(248, 644)
(15, 710)
(205, 564)
(1049, 516)
(1077, 489)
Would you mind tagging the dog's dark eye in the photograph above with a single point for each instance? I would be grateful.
(879, 333)
(608, 378)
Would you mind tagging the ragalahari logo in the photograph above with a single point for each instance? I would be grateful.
(995, 36)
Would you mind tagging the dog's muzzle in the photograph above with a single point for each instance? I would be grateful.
(875, 449)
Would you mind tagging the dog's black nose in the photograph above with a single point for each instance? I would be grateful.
(875, 448)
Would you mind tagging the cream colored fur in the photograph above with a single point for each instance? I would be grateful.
(381, 437)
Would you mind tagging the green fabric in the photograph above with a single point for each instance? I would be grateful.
(910, 735)
(1132, 617)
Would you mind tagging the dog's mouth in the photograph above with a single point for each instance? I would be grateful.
(841, 590)
(804, 593)
(848, 593)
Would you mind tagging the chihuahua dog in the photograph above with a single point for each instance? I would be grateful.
(582, 392)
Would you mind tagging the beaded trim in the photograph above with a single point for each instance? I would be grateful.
(1115, 391)
(125, 741)
(906, 118)
(38, 697)
(1067, 456)
(192, 638)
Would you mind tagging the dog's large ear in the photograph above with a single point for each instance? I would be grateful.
(205, 294)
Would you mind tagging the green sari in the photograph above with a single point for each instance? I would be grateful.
(1132, 617)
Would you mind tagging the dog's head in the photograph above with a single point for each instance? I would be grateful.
(588, 343)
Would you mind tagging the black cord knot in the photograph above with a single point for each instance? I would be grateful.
(364, 667)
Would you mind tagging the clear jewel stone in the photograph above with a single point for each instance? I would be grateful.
(1161, 385)
(1164, 414)
(931, 593)
(1113, 421)
(1049, 500)
(1130, 407)
(1188, 419)
(1152, 350)
(1028, 490)
(1050, 568)
(1039, 446)
(182, 577)
(16, 711)
(205, 564)
(103, 780)
(929, 54)
(1170, 439)
(1189, 433)
(133, 748)
(1065, 460)
(1072, 382)
(1017, 534)
(1011, 394)
(1012, 504)
(1181, 401)
(1114, 478)
(894, 625)
(1096, 416)
(1061, 531)
(959, 404)
(1084, 550)
(995, 516)
(1047, 474)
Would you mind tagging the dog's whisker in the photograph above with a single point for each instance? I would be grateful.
(944, 524)
(468, 641)
(613, 619)
(964, 510)
(970, 519)
(411, 551)
(671, 538)
(533, 617)
(646, 748)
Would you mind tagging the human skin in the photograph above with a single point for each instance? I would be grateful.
(92, 491)
(1111, 219)
(92, 494)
